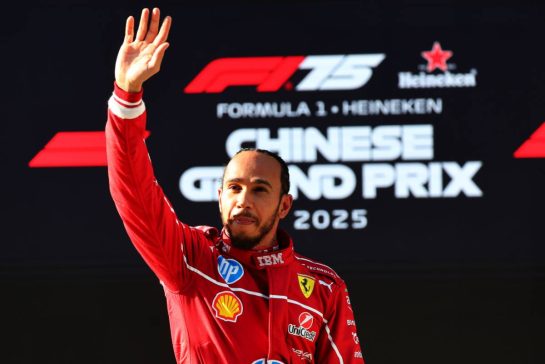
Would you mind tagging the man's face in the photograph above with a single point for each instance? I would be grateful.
(250, 201)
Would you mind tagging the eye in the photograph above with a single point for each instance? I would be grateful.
(260, 189)
(233, 187)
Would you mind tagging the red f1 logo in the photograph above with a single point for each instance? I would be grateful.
(268, 74)
(534, 147)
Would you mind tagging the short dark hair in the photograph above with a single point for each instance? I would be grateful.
(284, 171)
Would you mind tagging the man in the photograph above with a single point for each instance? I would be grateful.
(241, 295)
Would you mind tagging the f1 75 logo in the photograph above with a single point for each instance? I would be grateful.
(269, 74)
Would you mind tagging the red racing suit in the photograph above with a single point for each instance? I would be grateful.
(225, 305)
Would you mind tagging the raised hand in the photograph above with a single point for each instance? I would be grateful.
(140, 58)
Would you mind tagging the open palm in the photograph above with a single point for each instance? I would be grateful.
(140, 58)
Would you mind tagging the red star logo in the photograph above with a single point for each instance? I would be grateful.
(437, 57)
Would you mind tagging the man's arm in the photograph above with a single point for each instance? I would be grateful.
(338, 341)
(146, 213)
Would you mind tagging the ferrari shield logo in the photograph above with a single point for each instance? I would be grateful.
(306, 283)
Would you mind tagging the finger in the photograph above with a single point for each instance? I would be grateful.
(154, 26)
(143, 26)
(129, 30)
(163, 33)
(157, 58)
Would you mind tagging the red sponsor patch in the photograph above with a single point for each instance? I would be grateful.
(306, 320)
(227, 306)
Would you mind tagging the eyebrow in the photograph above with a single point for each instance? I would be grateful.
(257, 180)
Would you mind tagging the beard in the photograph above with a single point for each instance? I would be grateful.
(247, 242)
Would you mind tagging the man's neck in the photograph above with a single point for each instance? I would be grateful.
(265, 246)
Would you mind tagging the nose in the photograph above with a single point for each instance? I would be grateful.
(243, 199)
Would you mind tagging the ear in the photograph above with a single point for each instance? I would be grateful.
(286, 202)
(220, 191)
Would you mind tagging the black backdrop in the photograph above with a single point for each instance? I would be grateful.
(434, 279)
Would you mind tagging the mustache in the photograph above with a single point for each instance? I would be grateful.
(244, 214)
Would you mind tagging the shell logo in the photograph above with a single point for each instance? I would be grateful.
(227, 306)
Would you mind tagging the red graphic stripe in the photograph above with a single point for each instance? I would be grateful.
(73, 149)
(534, 147)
